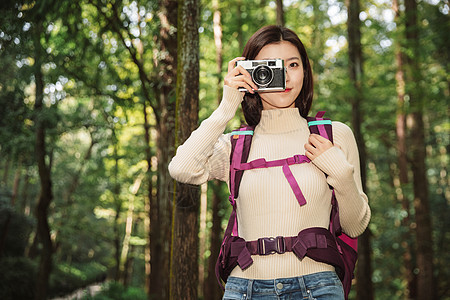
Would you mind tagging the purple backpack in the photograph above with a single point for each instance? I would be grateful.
(329, 246)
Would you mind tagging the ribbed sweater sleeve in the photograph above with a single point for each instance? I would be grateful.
(343, 169)
(205, 154)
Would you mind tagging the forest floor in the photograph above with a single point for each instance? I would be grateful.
(79, 294)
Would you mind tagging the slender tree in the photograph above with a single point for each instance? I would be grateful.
(148, 201)
(239, 24)
(280, 13)
(160, 222)
(364, 289)
(317, 42)
(413, 77)
(403, 178)
(211, 289)
(117, 207)
(44, 167)
(184, 253)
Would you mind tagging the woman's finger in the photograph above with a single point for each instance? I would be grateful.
(232, 63)
(247, 77)
(316, 145)
(310, 151)
(248, 80)
(317, 139)
(241, 84)
(236, 79)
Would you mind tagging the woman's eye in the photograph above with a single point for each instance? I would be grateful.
(293, 65)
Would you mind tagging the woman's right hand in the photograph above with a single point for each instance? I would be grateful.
(238, 77)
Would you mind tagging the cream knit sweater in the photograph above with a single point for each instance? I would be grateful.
(267, 206)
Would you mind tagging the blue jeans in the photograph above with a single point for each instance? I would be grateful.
(322, 285)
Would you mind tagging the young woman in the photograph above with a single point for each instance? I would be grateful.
(266, 206)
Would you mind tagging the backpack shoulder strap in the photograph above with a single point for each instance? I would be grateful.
(240, 148)
(320, 125)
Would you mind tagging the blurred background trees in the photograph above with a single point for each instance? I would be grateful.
(88, 94)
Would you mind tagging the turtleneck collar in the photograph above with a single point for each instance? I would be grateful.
(277, 121)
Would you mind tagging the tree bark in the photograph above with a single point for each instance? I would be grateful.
(149, 203)
(317, 41)
(118, 209)
(124, 256)
(280, 13)
(202, 238)
(44, 168)
(364, 287)
(211, 288)
(403, 180)
(17, 176)
(240, 35)
(184, 274)
(6, 172)
(15, 191)
(160, 221)
(425, 282)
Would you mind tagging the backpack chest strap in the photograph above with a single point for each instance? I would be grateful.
(262, 163)
(284, 163)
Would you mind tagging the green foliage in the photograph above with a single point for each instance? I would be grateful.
(18, 275)
(17, 278)
(94, 94)
(16, 226)
(66, 278)
(116, 291)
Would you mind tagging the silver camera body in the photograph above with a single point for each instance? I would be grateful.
(269, 75)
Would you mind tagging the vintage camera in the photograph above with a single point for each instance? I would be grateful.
(269, 75)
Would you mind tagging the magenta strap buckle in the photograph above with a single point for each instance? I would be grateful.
(271, 245)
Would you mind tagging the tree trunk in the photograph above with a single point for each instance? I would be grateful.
(317, 41)
(149, 202)
(44, 168)
(211, 288)
(184, 263)
(240, 35)
(24, 205)
(15, 191)
(6, 171)
(124, 259)
(403, 180)
(118, 209)
(364, 288)
(202, 238)
(16, 183)
(280, 13)
(77, 175)
(160, 221)
(425, 283)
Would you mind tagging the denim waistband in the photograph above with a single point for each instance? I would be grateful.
(305, 287)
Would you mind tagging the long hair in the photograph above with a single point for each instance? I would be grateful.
(252, 105)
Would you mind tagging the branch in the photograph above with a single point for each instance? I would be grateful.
(133, 52)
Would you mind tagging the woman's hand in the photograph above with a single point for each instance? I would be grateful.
(317, 145)
(238, 77)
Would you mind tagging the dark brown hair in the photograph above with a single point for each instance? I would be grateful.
(252, 105)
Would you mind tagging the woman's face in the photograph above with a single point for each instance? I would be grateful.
(294, 74)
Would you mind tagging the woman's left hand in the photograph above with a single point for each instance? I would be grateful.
(316, 145)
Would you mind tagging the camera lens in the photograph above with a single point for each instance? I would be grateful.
(262, 75)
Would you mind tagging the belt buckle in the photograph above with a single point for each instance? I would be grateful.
(271, 245)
